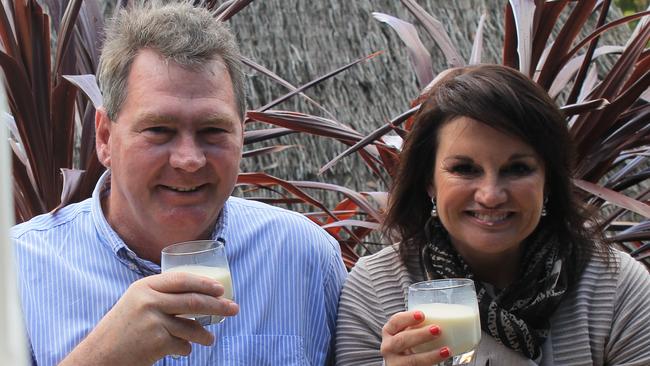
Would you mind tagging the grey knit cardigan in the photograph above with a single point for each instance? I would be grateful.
(604, 321)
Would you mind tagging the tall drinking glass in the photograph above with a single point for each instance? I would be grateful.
(450, 304)
(200, 257)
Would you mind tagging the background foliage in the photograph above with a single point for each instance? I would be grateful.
(631, 6)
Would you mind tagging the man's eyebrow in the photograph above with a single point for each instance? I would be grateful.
(216, 118)
(219, 119)
(155, 118)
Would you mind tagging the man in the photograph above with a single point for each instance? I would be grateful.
(170, 134)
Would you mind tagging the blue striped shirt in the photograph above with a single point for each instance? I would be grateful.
(287, 274)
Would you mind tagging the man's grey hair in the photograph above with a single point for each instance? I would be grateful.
(187, 35)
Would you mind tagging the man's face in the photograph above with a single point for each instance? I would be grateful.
(174, 153)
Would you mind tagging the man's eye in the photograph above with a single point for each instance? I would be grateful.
(158, 130)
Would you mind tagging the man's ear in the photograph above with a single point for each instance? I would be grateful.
(103, 136)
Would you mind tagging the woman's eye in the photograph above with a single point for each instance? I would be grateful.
(465, 169)
(519, 169)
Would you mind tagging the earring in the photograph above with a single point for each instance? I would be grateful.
(544, 211)
(434, 208)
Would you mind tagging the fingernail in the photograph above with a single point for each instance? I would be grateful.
(418, 315)
(217, 286)
(233, 307)
(444, 352)
(434, 330)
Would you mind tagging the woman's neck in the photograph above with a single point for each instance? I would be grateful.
(499, 270)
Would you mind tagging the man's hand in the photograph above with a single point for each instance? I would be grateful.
(142, 327)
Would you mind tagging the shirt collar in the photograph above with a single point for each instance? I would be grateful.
(109, 237)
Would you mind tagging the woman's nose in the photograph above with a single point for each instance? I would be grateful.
(491, 193)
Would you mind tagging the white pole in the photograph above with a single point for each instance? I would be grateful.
(13, 349)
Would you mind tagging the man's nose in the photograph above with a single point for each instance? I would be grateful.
(491, 192)
(187, 154)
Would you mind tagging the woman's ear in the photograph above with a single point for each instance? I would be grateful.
(431, 191)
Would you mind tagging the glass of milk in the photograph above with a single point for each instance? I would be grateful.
(204, 258)
(451, 305)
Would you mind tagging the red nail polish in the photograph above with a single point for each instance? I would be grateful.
(444, 352)
(418, 315)
(434, 330)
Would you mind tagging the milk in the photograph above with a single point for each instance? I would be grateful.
(222, 275)
(460, 327)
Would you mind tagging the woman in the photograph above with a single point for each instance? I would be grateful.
(484, 192)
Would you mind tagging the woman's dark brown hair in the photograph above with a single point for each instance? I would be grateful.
(508, 101)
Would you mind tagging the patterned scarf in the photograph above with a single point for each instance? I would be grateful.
(517, 316)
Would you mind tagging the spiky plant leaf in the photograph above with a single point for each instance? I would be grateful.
(420, 57)
(436, 30)
(477, 47)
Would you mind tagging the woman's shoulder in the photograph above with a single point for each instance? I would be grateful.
(632, 281)
(605, 285)
(386, 257)
(614, 297)
(629, 267)
(388, 262)
(385, 275)
(377, 267)
(617, 268)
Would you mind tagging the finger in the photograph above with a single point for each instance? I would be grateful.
(189, 330)
(402, 320)
(423, 359)
(432, 357)
(179, 347)
(195, 303)
(403, 341)
(178, 282)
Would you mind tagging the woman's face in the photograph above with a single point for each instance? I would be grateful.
(489, 189)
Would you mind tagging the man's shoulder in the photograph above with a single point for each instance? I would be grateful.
(249, 204)
(244, 209)
(59, 219)
(257, 216)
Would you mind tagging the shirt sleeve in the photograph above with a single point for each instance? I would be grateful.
(360, 320)
(333, 283)
(629, 341)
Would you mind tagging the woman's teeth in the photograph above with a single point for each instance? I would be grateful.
(490, 217)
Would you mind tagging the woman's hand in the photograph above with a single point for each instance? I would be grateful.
(402, 332)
